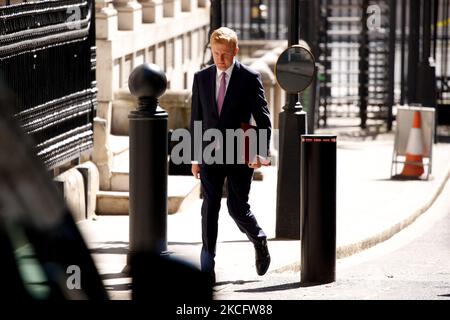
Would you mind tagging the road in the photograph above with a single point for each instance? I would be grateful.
(412, 265)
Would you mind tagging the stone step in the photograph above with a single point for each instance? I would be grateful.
(118, 144)
(182, 191)
(112, 203)
(120, 181)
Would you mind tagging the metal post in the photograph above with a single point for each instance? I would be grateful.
(435, 21)
(392, 41)
(312, 112)
(403, 54)
(363, 67)
(226, 21)
(305, 20)
(148, 162)
(242, 34)
(277, 19)
(308, 22)
(318, 209)
(293, 22)
(426, 30)
(215, 22)
(413, 50)
(216, 16)
(292, 125)
(426, 82)
(260, 30)
(327, 62)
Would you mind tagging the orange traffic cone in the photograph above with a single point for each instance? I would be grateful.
(414, 150)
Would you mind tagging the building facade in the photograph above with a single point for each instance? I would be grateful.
(172, 34)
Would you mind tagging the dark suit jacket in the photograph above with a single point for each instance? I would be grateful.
(244, 97)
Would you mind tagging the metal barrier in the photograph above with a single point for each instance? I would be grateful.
(318, 209)
(48, 60)
(148, 162)
(355, 80)
(256, 19)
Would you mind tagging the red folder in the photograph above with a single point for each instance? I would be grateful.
(246, 152)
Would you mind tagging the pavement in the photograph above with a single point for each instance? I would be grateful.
(371, 208)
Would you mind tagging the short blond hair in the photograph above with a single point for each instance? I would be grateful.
(224, 35)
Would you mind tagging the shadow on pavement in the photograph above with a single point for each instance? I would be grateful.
(286, 286)
(237, 282)
(183, 243)
(110, 247)
(108, 276)
(119, 287)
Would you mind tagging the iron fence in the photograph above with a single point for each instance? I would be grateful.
(256, 19)
(355, 79)
(48, 60)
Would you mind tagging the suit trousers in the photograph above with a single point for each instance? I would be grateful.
(239, 178)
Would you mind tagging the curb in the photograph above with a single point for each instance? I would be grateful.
(351, 249)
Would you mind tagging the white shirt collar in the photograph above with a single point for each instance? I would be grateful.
(228, 71)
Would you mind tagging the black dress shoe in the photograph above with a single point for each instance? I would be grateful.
(262, 257)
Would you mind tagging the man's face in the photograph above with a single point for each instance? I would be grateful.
(223, 55)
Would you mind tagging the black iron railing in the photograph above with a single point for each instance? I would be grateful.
(47, 59)
(355, 55)
(441, 55)
(422, 42)
(373, 54)
(256, 19)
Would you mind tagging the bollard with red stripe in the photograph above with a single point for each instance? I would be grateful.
(318, 209)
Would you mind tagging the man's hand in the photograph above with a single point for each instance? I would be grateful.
(258, 162)
(195, 169)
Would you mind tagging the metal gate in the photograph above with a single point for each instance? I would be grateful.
(256, 19)
(47, 60)
(422, 44)
(441, 44)
(371, 54)
(354, 51)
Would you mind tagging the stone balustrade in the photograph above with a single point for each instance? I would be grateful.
(170, 33)
(152, 10)
(130, 14)
(188, 5)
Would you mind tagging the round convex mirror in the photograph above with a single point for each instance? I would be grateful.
(294, 69)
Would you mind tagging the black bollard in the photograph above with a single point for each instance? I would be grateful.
(318, 209)
(148, 162)
(292, 126)
(152, 270)
(292, 123)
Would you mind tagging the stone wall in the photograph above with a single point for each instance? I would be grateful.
(177, 103)
(170, 33)
(79, 187)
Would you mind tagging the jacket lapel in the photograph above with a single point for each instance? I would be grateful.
(212, 90)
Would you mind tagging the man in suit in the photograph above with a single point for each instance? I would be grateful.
(225, 96)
